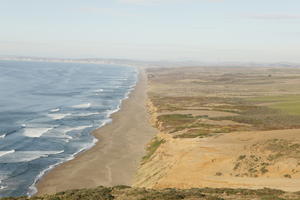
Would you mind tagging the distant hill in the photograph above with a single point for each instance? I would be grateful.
(145, 63)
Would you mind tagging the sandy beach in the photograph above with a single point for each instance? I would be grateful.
(115, 158)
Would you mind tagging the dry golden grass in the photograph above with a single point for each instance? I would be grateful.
(224, 127)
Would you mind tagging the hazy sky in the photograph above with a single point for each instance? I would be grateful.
(204, 30)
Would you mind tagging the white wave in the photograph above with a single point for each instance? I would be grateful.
(3, 153)
(25, 156)
(104, 122)
(59, 133)
(110, 112)
(23, 125)
(2, 136)
(78, 128)
(99, 90)
(67, 140)
(3, 187)
(58, 116)
(55, 110)
(35, 132)
(126, 96)
(85, 105)
(87, 114)
(32, 188)
(67, 137)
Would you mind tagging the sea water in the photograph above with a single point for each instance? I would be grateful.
(47, 112)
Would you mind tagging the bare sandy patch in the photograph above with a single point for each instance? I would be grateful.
(211, 162)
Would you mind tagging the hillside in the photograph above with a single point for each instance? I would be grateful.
(223, 127)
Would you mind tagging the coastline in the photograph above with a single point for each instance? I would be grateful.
(114, 159)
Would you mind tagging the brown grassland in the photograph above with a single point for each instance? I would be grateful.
(224, 127)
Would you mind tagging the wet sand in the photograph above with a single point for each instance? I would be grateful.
(115, 158)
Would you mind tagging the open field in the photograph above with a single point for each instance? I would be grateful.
(289, 104)
(224, 127)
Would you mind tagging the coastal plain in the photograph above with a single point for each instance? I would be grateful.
(233, 127)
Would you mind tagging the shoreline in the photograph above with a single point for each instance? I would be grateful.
(114, 159)
(33, 188)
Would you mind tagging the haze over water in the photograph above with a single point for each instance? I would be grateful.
(47, 111)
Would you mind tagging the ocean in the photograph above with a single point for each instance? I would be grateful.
(47, 113)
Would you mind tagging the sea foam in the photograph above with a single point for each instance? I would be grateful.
(99, 90)
(78, 128)
(3, 187)
(35, 132)
(87, 114)
(33, 190)
(84, 105)
(55, 110)
(24, 156)
(58, 116)
(3, 153)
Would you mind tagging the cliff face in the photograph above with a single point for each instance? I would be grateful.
(153, 112)
(155, 167)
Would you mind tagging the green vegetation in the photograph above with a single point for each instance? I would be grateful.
(287, 176)
(263, 170)
(289, 104)
(152, 147)
(241, 157)
(282, 148)
(256, 165)
(282, 112)
(191, 126)
(292, 108)
(224, 90)
(177, 120)
(128, 193)
(185, 103)
(219, 174)
(263, 118)
(193, 133)
(284, 98)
